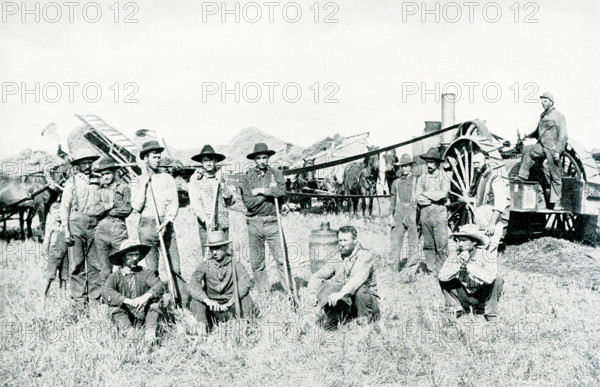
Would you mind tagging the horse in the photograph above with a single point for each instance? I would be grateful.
(390, 168)
(305, 183)
(39, 190)
(360, 178)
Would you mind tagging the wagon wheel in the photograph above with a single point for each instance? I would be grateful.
(462, 175)
(473, 128)
(565, 225)
(569, 162)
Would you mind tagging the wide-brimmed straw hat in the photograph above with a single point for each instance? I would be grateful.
(260, 149)
(432, 154)
(471, 231)
(216, 238)
(404, 160)
(127, 246)
(150, 146)
(208, 151)
(105, 164)
(84, 154)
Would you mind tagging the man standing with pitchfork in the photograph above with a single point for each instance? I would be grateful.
(209, 195)
(155, 198)
(261, 188)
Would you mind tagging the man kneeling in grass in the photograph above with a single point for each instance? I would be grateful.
(212, 289)
(133, 291)
(469, 277)
(345, 287)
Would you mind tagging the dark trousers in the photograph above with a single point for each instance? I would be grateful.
(360, 304)
(149, 236)
(206, 316)
(125, 318)
(84, 285)
(405, 219)
(261, 230)
(484, 300)
(109, 235)
(58, 258)
(537, 152)
(434, 225)
(203, 232)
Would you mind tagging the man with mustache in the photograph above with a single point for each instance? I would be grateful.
(79, 211)
(431, 192)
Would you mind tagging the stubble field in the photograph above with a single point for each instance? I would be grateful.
(548, 332)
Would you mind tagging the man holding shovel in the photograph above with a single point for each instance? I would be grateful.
(209, 195)
(155, 196)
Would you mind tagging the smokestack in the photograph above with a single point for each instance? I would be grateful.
(448, 117)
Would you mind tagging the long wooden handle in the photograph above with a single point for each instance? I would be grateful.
(236, 290)
(288, 271)
(170, 280)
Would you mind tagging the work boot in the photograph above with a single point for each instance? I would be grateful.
(261, 282)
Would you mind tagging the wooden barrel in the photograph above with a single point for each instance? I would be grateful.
(322, 246)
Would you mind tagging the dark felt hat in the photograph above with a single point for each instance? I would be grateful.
(127, 246)
(150, 146)
(261, 149)
(432, 154)
(208, 151)
(106, 163)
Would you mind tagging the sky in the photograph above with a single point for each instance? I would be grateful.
(176, 67)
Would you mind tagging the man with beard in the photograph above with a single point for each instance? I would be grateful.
(490, 196)
(80, 208)
(431, 192)
(346, 287)
(115, 197)
(551, 133)
(260, 186)
(203, 186)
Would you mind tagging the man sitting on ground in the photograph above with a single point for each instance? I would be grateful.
(133, 291)
(346, 287)
(212, 287)
(469, 277)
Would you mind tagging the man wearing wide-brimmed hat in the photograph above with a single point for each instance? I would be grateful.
(469, 277)
(552, 137)
(115, 196)
(431, 192)
(156, 191)
(203, 185)
(403, 217)
(261, 185)
(79, 212)
(133, 292)
(212, 285)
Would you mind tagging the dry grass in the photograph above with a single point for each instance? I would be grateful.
(548, 334)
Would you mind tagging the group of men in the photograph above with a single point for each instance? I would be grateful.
(104, 257)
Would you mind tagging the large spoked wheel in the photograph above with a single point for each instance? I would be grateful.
(473, 128)
(459, 157)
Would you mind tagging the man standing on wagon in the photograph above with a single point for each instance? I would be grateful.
(260, 186)
(431, 193)
(79, 211)
(551, 133)
(203, 186)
